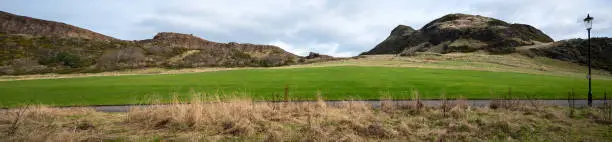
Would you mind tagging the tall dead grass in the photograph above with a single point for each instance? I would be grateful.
(246, 118)
(212, 118)
(40, 123)
(356, 120)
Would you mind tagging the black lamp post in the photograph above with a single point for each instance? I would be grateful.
(588, 23)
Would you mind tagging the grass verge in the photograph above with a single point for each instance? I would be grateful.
(216, 119)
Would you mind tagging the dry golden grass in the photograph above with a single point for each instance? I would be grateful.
(474, 61)
(146, 71)
(40, 123)
(462, 61)
(218, 119)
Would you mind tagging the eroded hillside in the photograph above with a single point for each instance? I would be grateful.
(460, 33)
(33, 46)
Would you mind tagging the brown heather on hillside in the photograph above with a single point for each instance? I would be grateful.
(199, 52)
(34, 46)
(15, 24)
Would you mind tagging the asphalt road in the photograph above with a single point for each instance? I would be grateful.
(474, 103)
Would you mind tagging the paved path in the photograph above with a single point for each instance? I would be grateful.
(475, 103)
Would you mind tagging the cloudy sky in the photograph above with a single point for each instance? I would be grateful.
(335, 27)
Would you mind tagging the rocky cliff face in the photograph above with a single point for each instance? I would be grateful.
(460, 33)
(30, 46)
(200, 52)
(188, 41)
(15, 24)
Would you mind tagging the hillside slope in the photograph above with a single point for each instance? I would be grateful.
(471, 33)
(575, 51)
(15, 24)
(32, 46)
(460, 33)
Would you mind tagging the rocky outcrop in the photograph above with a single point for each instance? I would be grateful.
(460, 33)
(15, 24)
(576, 50)
(218, 54)
(31, 46)
(317, 57)
(188, 41)
(313, 55)
(401, 37)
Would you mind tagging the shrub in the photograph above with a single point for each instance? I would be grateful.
(130, 57)
(271, 61)
(63, 58)
(70, 60)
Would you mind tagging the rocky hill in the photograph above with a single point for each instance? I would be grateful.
(468, 33)
(198, 52)
(460, 33)
(31, 46)
(15, 24)
(576, 50)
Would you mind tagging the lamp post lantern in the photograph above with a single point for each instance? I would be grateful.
(588, 23)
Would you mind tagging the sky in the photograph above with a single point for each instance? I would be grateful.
(335, 27)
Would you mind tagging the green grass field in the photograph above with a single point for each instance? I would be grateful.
(334, 83)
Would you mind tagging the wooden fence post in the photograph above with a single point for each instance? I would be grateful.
(286, 93)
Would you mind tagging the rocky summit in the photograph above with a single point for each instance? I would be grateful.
(198, 52)
(460, 33)
(32, 46)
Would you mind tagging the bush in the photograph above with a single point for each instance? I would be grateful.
(63, 58)
(131, 57)
(271, 61)
(70, 60)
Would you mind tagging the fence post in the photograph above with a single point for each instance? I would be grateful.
(286, 93)
(569, 104)
(573, 99)
(508, 100)
(607, 106)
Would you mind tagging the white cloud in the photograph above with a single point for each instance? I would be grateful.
(323, 48)
(290, 48)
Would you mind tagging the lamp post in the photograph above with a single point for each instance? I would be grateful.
(588, 23)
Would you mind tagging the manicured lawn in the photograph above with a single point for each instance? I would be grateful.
(334, 83)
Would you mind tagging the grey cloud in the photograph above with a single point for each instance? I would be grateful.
(336, 27)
